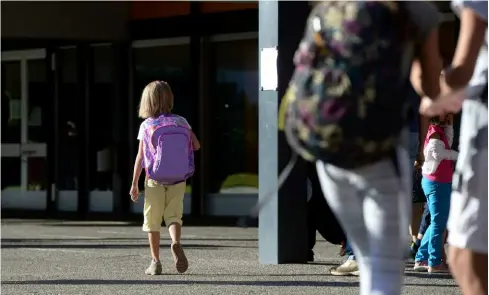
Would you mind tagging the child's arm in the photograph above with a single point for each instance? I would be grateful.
(195, 142)
(438, 150)
(473, 27)
(138, 165)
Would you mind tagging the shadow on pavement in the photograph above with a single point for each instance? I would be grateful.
(112, 246)
(202, 282)
(105, 220)
(21, 240)
(186, 282)
(447, 276)
(328, 263)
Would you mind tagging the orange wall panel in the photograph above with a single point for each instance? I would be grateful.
(162, 9)
(211, 7)
(158, 9)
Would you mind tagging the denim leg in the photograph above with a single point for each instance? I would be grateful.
(425, 220)
(349, 251)
(439, 203)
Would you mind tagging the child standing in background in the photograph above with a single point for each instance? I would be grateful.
(166, 151)
(437, 173)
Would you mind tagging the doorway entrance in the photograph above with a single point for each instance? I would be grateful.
(25, 104)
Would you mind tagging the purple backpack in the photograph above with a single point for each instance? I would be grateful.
(168, 149)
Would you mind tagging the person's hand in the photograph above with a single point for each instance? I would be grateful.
(418, 162)
(134, 192)
(448, 103)
(418, 165)
(427, 107)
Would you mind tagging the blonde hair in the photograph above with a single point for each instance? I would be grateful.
(157, 99)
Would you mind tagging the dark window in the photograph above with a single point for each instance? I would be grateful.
(11, 122)
(170, 63)
(234, 117)
(101, 120)
(11, 104)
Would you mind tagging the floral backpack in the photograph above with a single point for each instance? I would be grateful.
(346, 102)
(168, 151)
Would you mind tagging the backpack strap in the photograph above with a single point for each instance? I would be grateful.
(147, 144)
(148, 133)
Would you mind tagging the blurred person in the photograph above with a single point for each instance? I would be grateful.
(320, 218)
(346, 111)
(464, 88)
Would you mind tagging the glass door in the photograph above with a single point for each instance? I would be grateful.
(24, 132)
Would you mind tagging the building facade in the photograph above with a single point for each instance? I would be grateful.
(72, 75)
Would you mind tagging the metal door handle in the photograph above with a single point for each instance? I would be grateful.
(28, 153)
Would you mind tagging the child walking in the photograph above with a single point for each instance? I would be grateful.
(437, 172)
(166, 152)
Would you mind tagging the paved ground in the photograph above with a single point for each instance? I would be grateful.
(48, 257)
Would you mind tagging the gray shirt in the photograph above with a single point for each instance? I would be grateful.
(424, 15)
(480, 71)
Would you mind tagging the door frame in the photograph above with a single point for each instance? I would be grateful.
(25, 150)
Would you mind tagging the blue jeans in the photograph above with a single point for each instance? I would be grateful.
(438, 200)
(349, 251)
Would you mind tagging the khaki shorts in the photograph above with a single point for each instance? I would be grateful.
(467, 223)
(162, 202)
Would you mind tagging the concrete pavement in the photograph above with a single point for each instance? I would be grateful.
(53, 257)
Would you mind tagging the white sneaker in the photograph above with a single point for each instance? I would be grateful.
(348, 268)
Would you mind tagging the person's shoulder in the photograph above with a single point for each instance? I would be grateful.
(424, 15)
(182, 120)
(479, 7)
(426, 8)
(145, 123)
(179, 117)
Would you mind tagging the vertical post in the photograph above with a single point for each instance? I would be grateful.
(282, 234)
(198, 192)
(24, 123)
(51, 120)
(85, 79)
(119, 113)
(131, 107)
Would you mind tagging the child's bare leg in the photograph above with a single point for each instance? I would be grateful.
(173, 219)
(153, 211)
(175, 230)
(154, 244)
(181, 262)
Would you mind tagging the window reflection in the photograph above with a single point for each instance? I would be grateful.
(234, 122)
(100, 120)
(68, 151)
(39, 101)
(10, 125)
(11, 102)
(171, 64)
